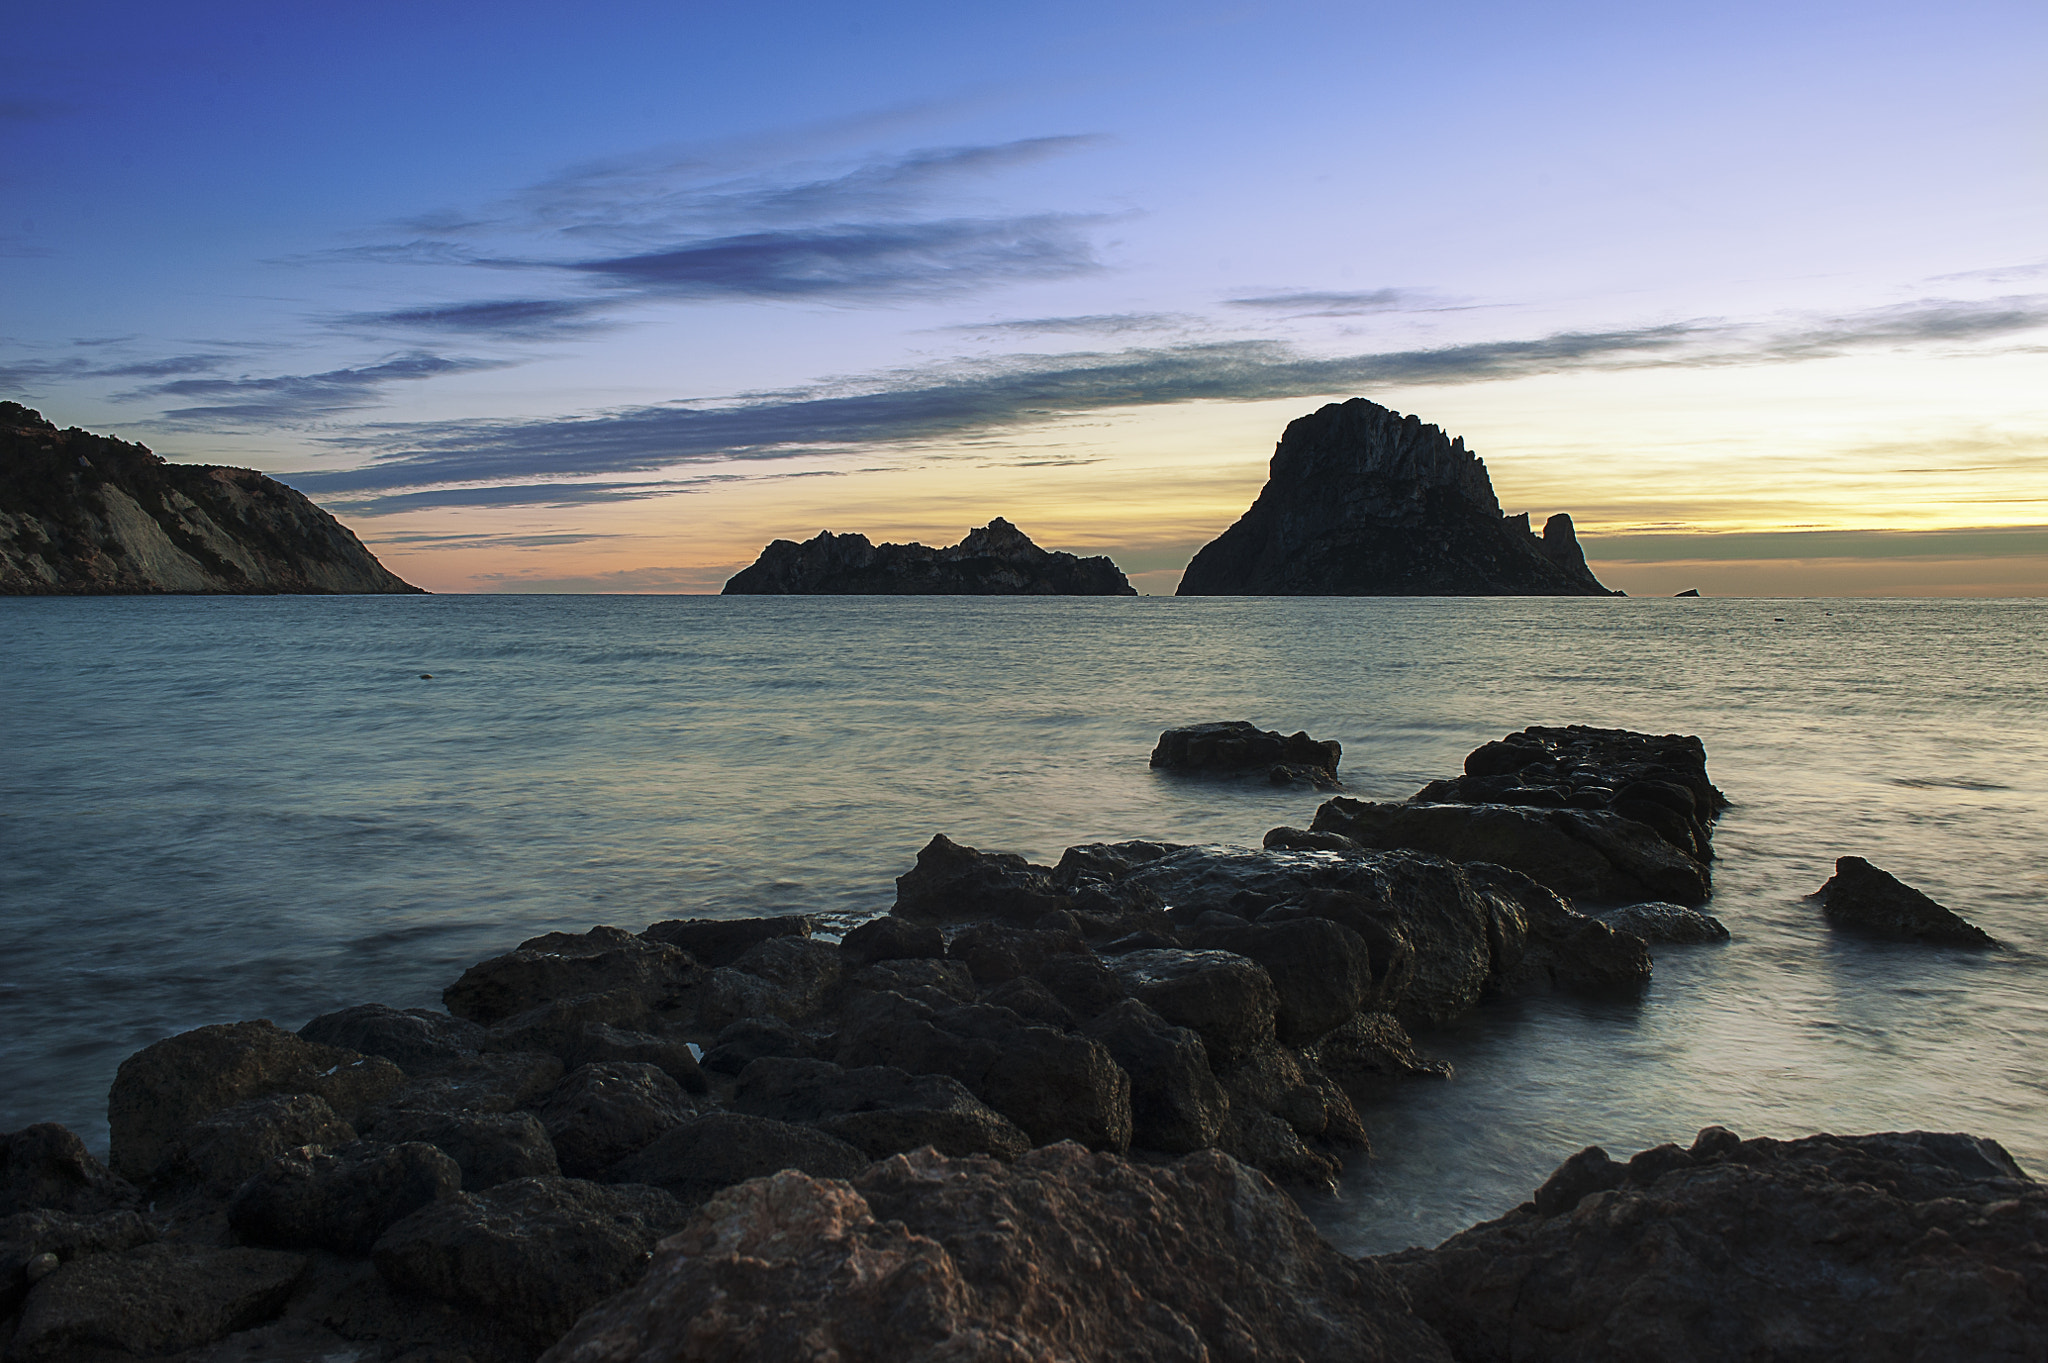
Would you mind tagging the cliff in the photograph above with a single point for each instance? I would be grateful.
(1362, 501)
(996, 560)
(89, 515)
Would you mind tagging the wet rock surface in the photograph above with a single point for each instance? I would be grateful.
(1897, 1246)
(1675, 923)
(1864, 899)
(150, 1301)
(1236, 747)
(1099, 1258)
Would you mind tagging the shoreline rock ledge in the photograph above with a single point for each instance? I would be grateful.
(1362, 501)
(90, 515)
(996, 560)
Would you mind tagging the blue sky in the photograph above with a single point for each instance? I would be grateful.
(605, 299)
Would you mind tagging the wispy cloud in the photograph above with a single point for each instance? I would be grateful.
(1093, 324)
(928, 407)
(513, 318)
(27, 376)
(1326, 303)
(288, 399)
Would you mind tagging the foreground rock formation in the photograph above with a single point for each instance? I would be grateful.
(996, 560)
(1236, 747)
(1362, 501)
(84, 514)
(1894, 1248)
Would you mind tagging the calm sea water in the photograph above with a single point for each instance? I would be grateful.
(214, 809)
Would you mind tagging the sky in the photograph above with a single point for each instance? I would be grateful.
(604, 298)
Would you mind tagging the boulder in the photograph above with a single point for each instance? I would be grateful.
(164, 1088)
(1862, 898)
(1588, 768)
(488, 1148)
(1053, 1085)
(533, 1254)
(1033, 1002)
(878, 1108)
(488, 1083)
(417, 1040)
(46, 1167)
(216, 1154)
(1321, 971)
(890, 938)
(995, 952)
(952, 884)
(1287, 1119)
(34, 1244)
(1561, 948)
(1177, 1105)
(741, 1043)
(1226, 999)
(556, 1027)
(1579, 853)
(1097, 1258)
(600, 1044)
(804, 970)
(705, 1154)
(1236, 746)
(1673, 923)
(1900, 1246)
(721, 941)
(1083, 985)
(149, 1301)
(602, 1113)
(1373, 1046)
(489, 992)
(340, 1199)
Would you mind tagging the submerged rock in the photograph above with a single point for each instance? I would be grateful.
(1098, 1258)
(1865, 899)
(1900, 1246)
(1654, 922)
(996, 560)
(1362, 501)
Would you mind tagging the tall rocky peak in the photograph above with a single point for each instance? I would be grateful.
(84, 514)
(1363, 501)
(996, 560)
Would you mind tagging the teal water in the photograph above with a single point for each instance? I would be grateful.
(226, 808)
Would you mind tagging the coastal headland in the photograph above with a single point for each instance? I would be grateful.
(91, 515)
(1031, 1107)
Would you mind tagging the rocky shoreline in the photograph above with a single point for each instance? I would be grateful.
(1032, 1112)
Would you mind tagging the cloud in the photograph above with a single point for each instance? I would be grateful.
(434, 540)
(285, 399)
(665, 579)
(1322, 303)
(2019, 541)
(26, 375)
(513, 318)
(1096, 324)
(961, 401)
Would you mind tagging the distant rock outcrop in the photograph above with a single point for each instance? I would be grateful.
(1362, 501)
(89, 515)
(996, 560)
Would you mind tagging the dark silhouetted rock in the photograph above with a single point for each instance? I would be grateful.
(218, 1152)
(533, 1254)
(878, 1108)
(84, 514)
(417, 1040)
(34, 1244)
(741, 1043)
(994, 952)
(952, 884)
(1288, 1119)
(1177, 1105)
(1224, 998)
(1689, 591)
(721, 941)
(488, 1147)
(494, 990)
(803, 969)
(890, 938)
(602, 1113)
(1894, 1248)
(1321, 971)
(1098, 1259)
(488, 1083)
(340, 1199)
(1053, 1085)
(1284, 839)
(557, 1026)
(1860, 897)
(1374, 1046)
(150, 1301)
(1673, 923)
(164, 1088)
(1361, 501)
(996, 560)
(705, 1154)
(1236, 746)
(46, 1167)
(1083, 985)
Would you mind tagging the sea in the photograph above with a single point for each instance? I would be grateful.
(223, 808)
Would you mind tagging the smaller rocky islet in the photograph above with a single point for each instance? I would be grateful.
(1022, 1100)
(996, 560)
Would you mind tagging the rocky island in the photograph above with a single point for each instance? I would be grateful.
(90, 515)
(1362, 501)
(1029, 1112)
(996, 560)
